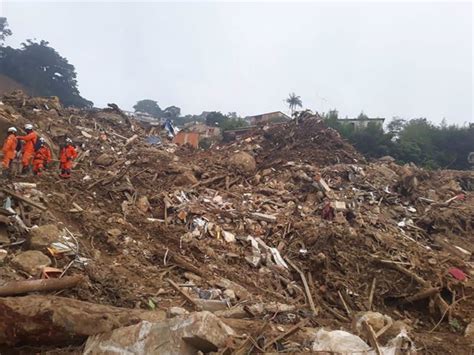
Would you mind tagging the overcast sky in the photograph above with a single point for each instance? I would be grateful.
(386, 59)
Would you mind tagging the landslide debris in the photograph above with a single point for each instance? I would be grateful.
(297, 233)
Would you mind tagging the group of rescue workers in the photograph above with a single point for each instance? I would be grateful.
(35, 153)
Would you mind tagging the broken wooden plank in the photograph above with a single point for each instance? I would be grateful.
(263, 217)
(372, 337)
(305, 284)
(371, 295)
(21, 287)
(184, 294)
(24, 199)
(287, 333)
(426, 293)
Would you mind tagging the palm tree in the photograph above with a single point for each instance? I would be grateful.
(293, 102)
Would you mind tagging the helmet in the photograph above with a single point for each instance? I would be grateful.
(41, 140)
(68, 140)
(12, 129)
(28, 126)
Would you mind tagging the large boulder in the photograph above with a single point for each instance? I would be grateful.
(185, 179)
(187, 334)
(105, 159)
(243, 162)
(31, 261)
(41, 237)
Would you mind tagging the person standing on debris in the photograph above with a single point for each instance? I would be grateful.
(28, 148)
(68, 154)
(9, 150)
(42, 157)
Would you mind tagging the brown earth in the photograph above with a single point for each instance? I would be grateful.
(396, 235)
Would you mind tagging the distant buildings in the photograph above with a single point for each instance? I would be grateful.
(269, 117)
(204, 131)
(361, 123)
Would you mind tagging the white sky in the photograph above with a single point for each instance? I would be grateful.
(408, 59)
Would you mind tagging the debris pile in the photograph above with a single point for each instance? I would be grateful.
(275, 242)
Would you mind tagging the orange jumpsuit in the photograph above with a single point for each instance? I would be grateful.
(42, 157)
(68, 153)
(9, 150)
(28, 148)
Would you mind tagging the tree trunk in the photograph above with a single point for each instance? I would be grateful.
(51, 320)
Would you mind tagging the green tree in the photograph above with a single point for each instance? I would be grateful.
(171, 112)
(39, 67)
(331, 119)
(215, 118)
(293, 102)
(148, 106)
(233, 123)
(396, 125)
(4, 30)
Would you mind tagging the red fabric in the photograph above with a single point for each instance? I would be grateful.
(8, 149)
(458, 274)
(68, 153)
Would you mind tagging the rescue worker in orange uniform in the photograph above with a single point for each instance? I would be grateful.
(9, 150)
(68, 154)
(42, 157)
(28, 148)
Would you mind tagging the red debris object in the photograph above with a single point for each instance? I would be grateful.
(328, 211)
(458, 274)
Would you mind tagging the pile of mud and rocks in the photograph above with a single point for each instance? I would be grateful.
(286, 240)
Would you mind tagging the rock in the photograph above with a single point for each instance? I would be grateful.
(41, 237)
(176, 311)
(243, 162)
(4, 239)
(387, 159)
(396, 328)
(469, 332)
(201, 331)
(241, 292)
(31, 261)
(105, 159)
(228, 237)
(114, 232)
(3, 255)
(184, 179)
(143, 204)
(375, 319)
(339, 341)
(211, 305)
(230, 295)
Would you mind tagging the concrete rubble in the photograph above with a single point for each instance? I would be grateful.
(282, 231)
(188, 334)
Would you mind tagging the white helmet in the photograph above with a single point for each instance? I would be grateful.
(12, 129)
(28, 126)
(68, 140)
(41, 139)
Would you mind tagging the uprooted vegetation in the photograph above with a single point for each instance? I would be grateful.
(278, 234)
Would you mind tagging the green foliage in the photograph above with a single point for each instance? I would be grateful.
(294, 101)
(40, 68)
(225, 122)
(148, 106)
(215, 118)
(233, 123)
(183, 120)
(4, 30)
(205, 143)
(171, 112)
(417, 140)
